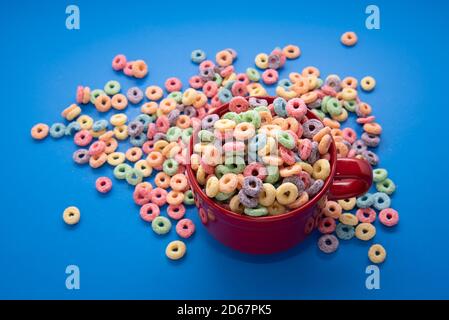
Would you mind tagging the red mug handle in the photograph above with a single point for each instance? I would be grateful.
(353, 177)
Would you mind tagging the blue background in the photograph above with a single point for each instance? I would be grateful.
(118, 254)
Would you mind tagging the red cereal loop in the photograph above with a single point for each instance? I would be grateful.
(366, 215)
(103, 184)
(238, 105)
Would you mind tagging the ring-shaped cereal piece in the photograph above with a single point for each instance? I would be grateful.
(327, 225)
(348, 219)
(40, 131)
(389, 217)
(175, 250)
(347, 204)
(143, 167)
(244, 131)
(321, 169)
(291, 51)
(118, 119)
(162, 180)
(98, 160)
(366, 215)
(261, 61)
(332, 209)
(119, 101)
(161, 225)
(173, 84)
(82, 138)
(158, 196)
(372, 128)
(179, 182)
(103, 184)
(286, 193)
(175, 197)
(71, 215)
(139, 69)
(349, 38)
(85, 122)
(176, 212)
(377, 253)
(116, 158)
(224, 58)
(103, 103)
(185, 228)
(310, 71)
(97, 147)
(155, 159)
(368, 84)
(228, 183)
(270, 76)
(235, 205)
(119, 62)
(365, 231)
(134, 154)
(149, 211)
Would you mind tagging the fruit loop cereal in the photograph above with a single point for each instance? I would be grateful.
(258, 159)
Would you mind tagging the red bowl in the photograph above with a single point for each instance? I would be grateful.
(349, 177)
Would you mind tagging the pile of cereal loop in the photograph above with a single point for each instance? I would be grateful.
(278, 157)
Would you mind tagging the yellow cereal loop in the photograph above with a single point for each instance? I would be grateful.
(368, 83)
(377, 253)
(349, 219)
(118, 119)
(115, 158)
(71, 215)
(261, 61)
(267, 195)
(85, 122)
(365, 231)
(347, 204)
(176, 250)
(121, 132)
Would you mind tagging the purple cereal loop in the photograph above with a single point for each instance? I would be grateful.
(135, 128)
(311, 127)
(274, 61)
(256, 102)
(134, 95)
(207, 74)
(296, 180)
(252, 186)
(159, 136)
(209, 121)
(173, 116)
(314, 105)
(359, 146)
(180, 107)
(371, 157)
(328, 243)
(315, 187)
(190, 111)
(247, 201)
(81, 156)
(314, 154)
(371, 140)
(334, 82)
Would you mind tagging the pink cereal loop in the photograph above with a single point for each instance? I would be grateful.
(149, 211)
(158, 196)
(349, 135)
(389, 217)
(196, 82)
(103, 184)
(364, 120)
(305, 149)
(119, 62)
(128, 70)
(176, 212)
(366, 215)
(185, 228)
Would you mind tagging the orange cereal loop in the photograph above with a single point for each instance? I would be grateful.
(364, 109)
(111, 146)
(200, 100)
(310, 71)
(149, 107)
(119, 101)
(167, 105)
(155, 159)
(139, 69)
(342, 149)
(224, 58)
(103, 103)
(183, 122)
(372, 128)
(179, 182)
(106, 136)
(349, 39)
(349, 82)
(134, 154)
(71, 112)
(175, 197)
(301, 86)
(291, 51)
(309, 97)
(39, 131)
(154, 93)
(331, 123)
(162, 180)
(98, 160)
(294, 77)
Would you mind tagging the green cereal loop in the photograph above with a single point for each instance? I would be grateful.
(218, 79)
(350, 105)
(387, 186)
(186, 135)
(161, 225)
(252, 117)
(253, 74)
(206, 136)
(188, 198)
(221, 196)
(272, 174)
(320, 114)
(173, 134)
(324, 103)
(233, 116)
(121, 170)
(236, 167)
(334, 107)
(170, 167)
(176, 95)
(133, 176)
(256, 212)
(379, 175)
(285, 139)
(261, 108)
(112, 87)
(94, 94)
(221, 170)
